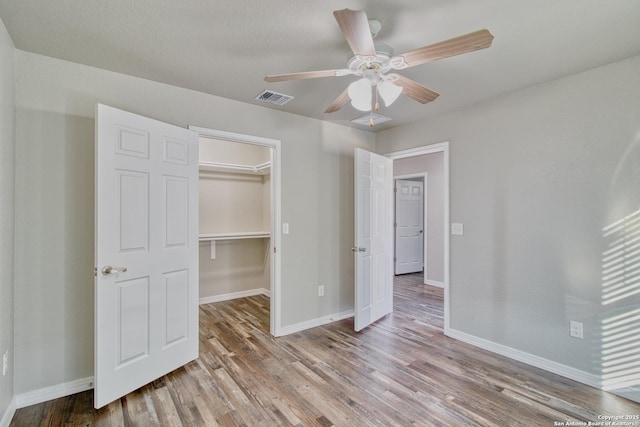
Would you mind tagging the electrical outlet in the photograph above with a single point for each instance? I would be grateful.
(575, 329)
(5, 363)
(320, 290)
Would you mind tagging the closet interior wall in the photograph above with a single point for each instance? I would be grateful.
(235, 217)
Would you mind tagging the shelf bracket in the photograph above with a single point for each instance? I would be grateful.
(213, 249)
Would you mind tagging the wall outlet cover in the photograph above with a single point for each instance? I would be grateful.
(576, 329)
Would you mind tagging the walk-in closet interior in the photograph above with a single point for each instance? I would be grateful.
(235, 220)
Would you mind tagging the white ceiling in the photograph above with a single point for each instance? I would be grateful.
(226, 47)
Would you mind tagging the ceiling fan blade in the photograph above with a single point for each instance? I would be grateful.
(340, 101)
(306, 75)
(355, 27)
(477, 40)
(415, 90)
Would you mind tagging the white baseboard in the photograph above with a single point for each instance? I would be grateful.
(538, 362)
(434, 283)
(235, 295)
(313, 323)
(631, 393)
(53, 392)
(9, 413)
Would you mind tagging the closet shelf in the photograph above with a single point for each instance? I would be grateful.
(260, 169)
(234, 236)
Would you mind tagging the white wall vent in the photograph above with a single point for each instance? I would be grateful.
(274, 97)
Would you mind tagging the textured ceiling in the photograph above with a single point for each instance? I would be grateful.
(226, 47)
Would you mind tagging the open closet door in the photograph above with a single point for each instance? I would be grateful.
(146, 251)
(373, 237)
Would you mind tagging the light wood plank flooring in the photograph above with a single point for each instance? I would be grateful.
(401, 371)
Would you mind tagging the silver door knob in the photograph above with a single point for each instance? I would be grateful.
(107, 270)
(357, 249)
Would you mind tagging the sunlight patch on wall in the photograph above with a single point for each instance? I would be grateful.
(620, 327)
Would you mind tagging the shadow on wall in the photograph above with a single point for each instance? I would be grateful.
(54, 249)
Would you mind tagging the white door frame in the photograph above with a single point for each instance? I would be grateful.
(441, 147)
(276, 181)
(425, 192)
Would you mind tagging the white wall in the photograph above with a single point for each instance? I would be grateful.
(54, 204)
(536, 176)
(433, 165)
(7, 155)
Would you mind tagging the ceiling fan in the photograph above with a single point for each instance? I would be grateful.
(374, 63)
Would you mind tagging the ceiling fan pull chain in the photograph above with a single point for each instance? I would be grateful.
(371, 110)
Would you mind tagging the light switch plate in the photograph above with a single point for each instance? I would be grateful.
(457, 228)
(285, 228)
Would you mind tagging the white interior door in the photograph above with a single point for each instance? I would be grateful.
(146, 285)
(409, 226)
(373, 237)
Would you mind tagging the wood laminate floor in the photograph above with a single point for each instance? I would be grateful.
(401, 371)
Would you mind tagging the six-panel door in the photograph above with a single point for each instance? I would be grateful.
(146, 286)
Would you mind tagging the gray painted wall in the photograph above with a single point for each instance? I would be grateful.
(537, 176)
(7, 154)
(433, 165)
(54, 204)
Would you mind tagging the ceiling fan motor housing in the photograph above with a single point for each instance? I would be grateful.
(372, 66)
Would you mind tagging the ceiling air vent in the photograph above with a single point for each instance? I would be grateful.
(377, 119)
(274, 97)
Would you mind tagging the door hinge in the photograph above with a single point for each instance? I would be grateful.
(274, 249)
(95, 271)
(395, 190)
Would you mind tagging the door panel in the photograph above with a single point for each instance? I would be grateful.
(132, 317)
(133, 213)
(176, 290)
(374, 237)
(409, 226)
(146, 317)
(176, 211)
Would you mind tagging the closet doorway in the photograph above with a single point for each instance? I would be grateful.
(239, 204)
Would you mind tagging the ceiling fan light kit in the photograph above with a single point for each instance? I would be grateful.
(360, 94)
(389, 91)
(372, 62)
